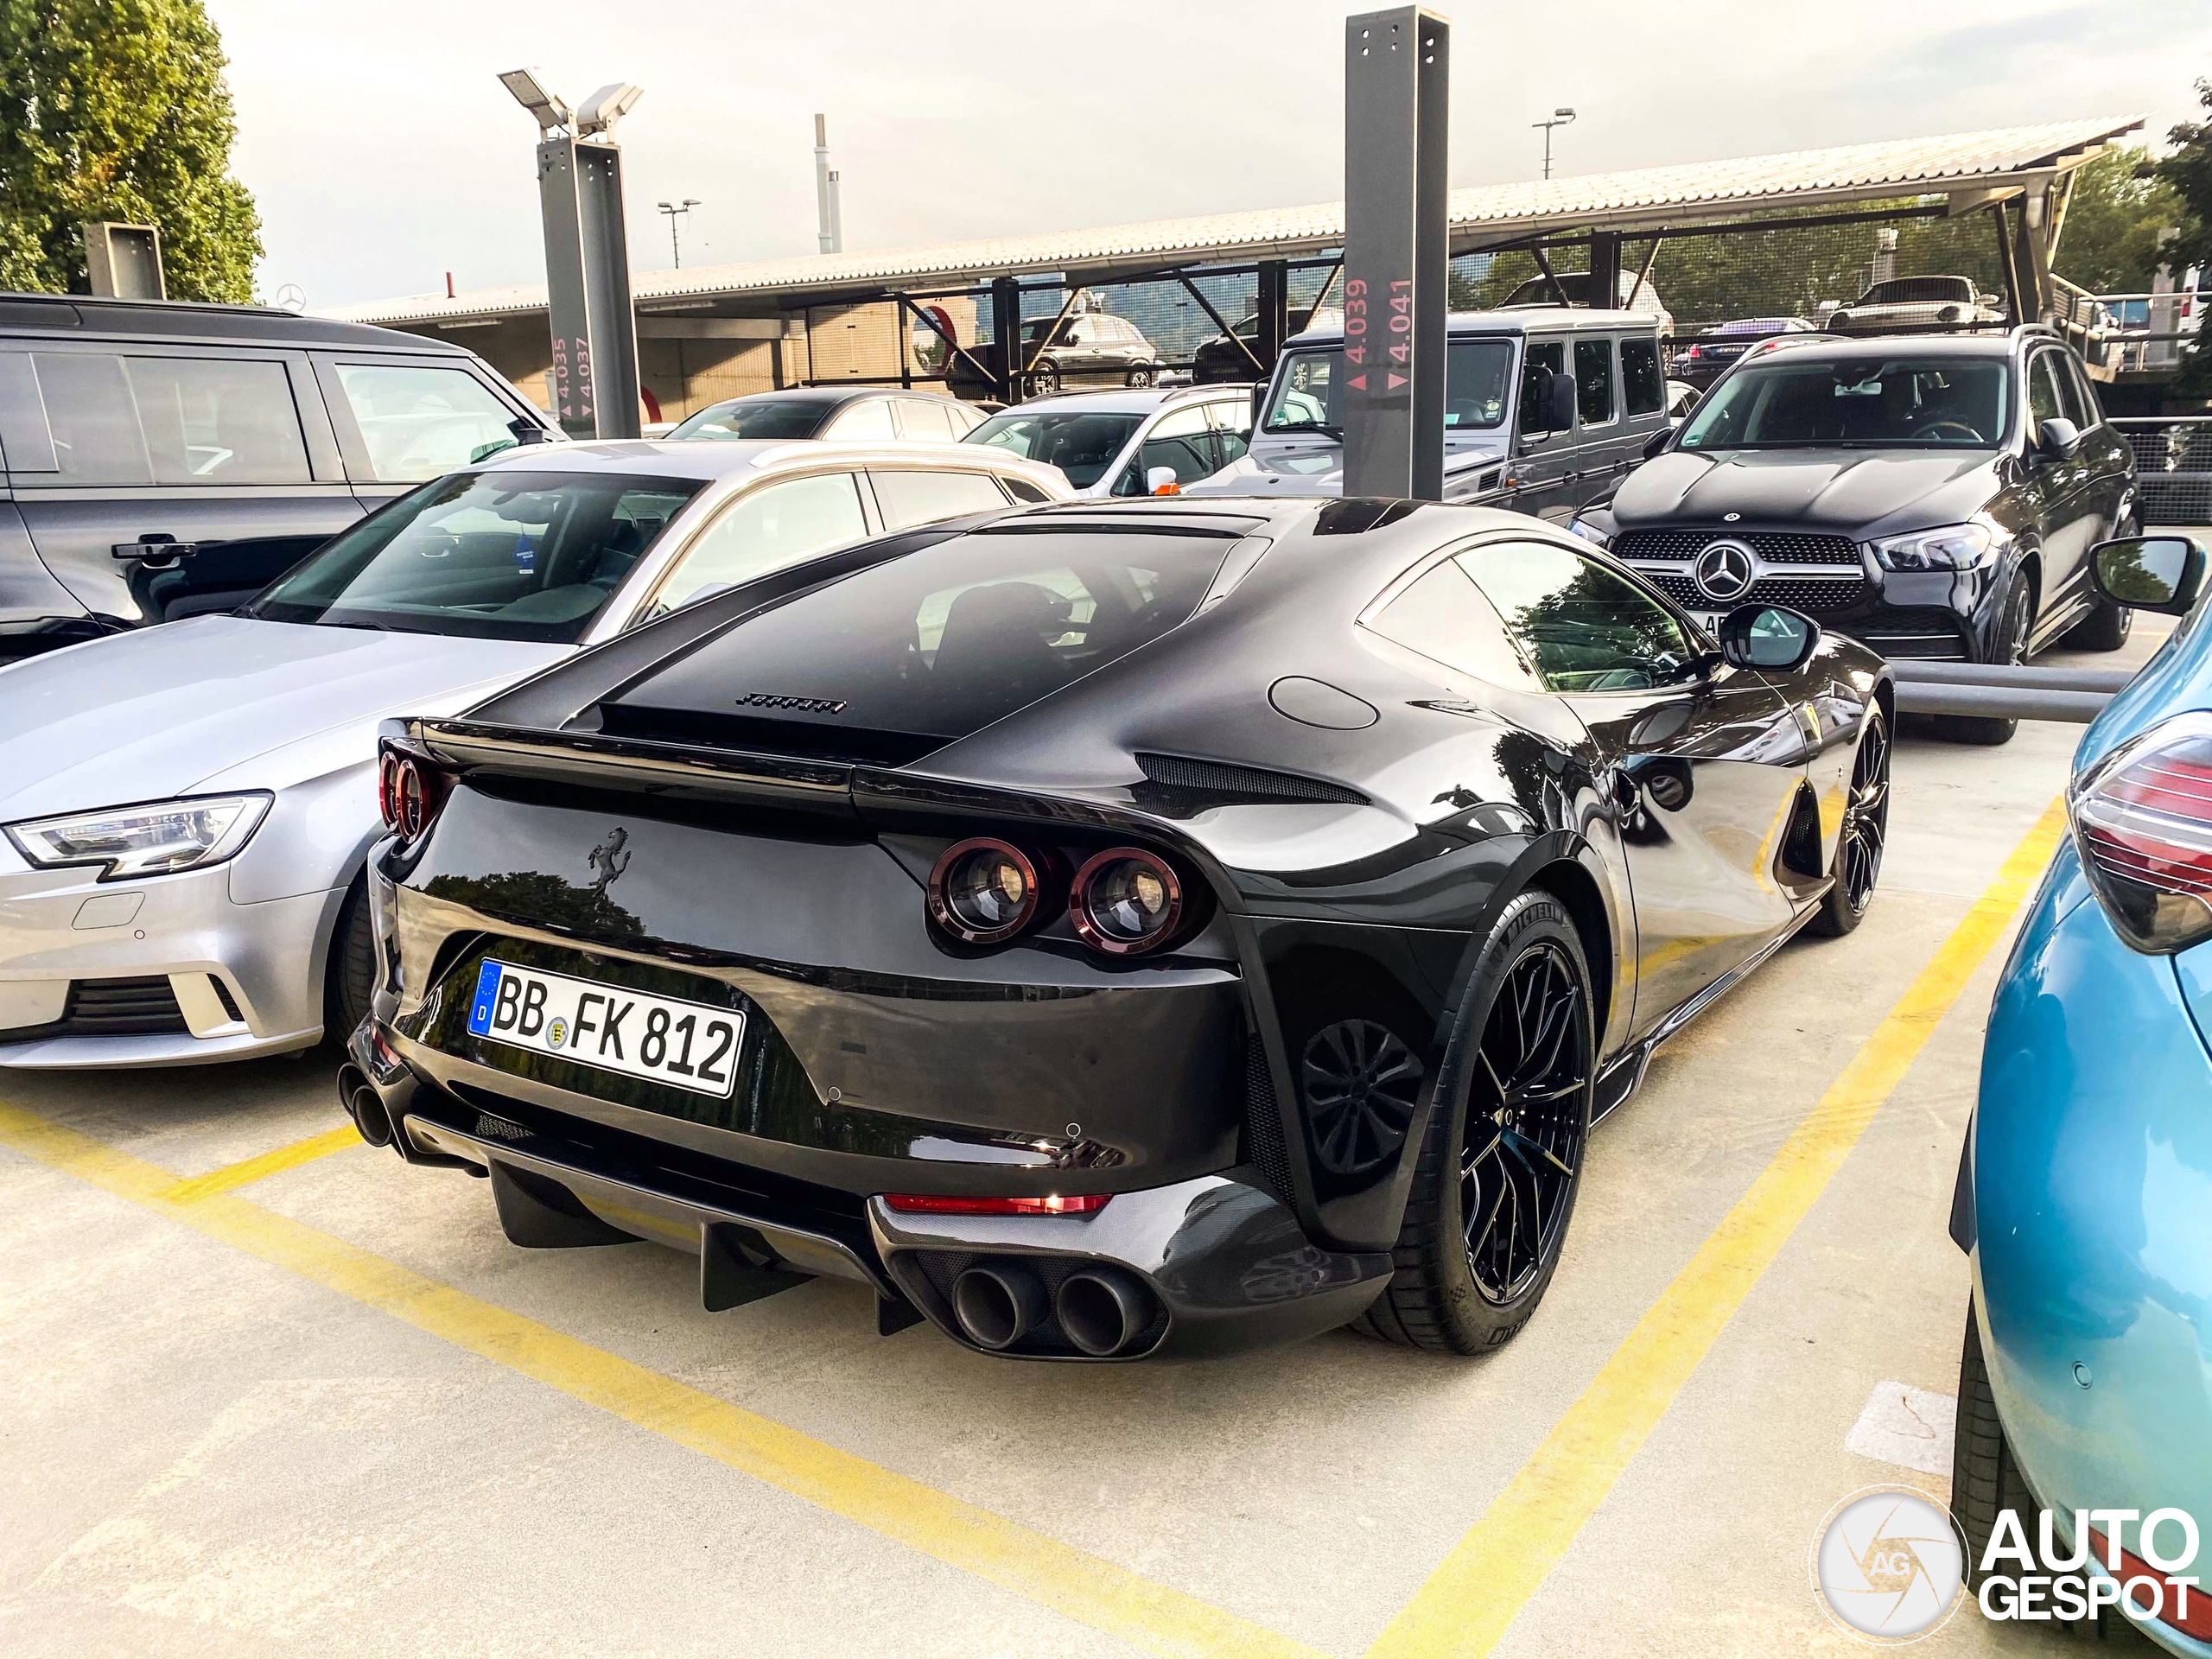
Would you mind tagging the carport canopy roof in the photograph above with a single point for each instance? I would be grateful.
(1971, 169)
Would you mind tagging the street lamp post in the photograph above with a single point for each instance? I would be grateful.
(1560, 118)
(587, 255)
(672, 209)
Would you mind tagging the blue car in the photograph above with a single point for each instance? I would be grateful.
(2085, 1193)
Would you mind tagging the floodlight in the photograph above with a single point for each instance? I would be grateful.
(599, 112)
(530, 91)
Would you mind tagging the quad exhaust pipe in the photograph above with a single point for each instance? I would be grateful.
(364, 1105)
(1100, 1312)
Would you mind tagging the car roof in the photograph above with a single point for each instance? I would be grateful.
(197, 319)
(1133, 402)
(829, 397)
(699, 460)
(1521, 319)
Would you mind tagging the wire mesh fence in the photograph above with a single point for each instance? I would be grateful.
(2173, 469)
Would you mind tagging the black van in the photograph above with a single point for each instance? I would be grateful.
(163, 459)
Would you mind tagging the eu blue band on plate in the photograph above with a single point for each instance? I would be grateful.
(487, 995)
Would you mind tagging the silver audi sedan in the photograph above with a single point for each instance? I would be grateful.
(185, 810)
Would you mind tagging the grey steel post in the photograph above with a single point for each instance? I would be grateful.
(830, 239)
(1005, 333)
(587, 288)
(1398, 72)
(1274, 307)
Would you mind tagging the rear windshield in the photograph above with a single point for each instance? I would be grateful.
(506, 555)
(1892, 404)
(757, 418)
(1309, 394)
(1081, 445)
(1918, 291)
(905, 656)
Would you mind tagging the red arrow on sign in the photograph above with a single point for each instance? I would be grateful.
(1359, 381)
(1396, 380)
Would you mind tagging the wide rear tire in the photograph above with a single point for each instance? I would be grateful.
(349, 984)
(1501, 1161)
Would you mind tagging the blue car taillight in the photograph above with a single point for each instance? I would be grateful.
(2142, 819)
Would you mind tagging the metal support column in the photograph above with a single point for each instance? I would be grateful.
(2034, 256)
(1606, 270)
(1006, 332)
(587, 288)
(1397, 69)
(1274, 311)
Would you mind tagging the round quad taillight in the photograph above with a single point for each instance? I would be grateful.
(388, 789)
(1125, 900)
(416, 798)
(984, 891)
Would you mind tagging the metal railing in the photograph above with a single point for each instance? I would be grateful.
(2173, 468)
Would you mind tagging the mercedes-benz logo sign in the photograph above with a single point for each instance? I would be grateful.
(1725, 570)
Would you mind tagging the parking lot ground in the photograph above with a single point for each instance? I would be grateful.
(328, 1409)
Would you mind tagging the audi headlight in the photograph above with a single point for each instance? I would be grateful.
(154, 840)
(1589, 532)
(1955, 547)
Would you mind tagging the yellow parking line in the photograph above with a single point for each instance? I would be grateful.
(1082, 1587)
(1475, 1594)
(249, 1170)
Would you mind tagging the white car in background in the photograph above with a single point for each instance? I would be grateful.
(1122, 443)
(1916, 303)
(185, 810)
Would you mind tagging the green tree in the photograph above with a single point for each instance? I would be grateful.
(117, 109)
(2188, 173)
(2113, 219)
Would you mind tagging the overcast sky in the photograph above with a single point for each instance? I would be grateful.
(384, 153)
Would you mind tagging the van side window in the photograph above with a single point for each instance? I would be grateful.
(1541, 355)
(1643, 389)
(419, 422)
(1594, 381)
(87, 417)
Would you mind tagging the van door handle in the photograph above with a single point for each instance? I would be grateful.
(157, 551)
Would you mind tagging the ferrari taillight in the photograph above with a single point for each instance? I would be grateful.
(2143, 824)
(408, 792)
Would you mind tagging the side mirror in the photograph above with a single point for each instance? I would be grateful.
(1656, 444)
(1067, 337)
(1259, 402)
(2058, 438)
(1559, 401)
(1161, 480)
(528, 431)
(2149, 572)
(1770, 637)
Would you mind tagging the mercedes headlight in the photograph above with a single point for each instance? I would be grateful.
(156, 840)
(1955, 547)
(1589, 532)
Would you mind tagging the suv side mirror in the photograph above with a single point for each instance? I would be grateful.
(528, 431)
(2149, 572)
(1161, 480)
(1772, 637)
(1559, 401)
(1259, 402)
(2058, 438)
(1655, 445)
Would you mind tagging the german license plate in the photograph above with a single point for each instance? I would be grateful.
(1709, 620)
(685, 1044)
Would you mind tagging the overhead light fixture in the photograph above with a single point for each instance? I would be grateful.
(549, 107)
(599, 112)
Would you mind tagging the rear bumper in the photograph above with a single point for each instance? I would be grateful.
(1223, 1262)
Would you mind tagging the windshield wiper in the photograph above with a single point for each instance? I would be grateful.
(1334, 431)
(373, 627)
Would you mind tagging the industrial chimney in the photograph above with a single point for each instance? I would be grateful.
(832, 236)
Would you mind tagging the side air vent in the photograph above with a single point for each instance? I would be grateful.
(1176, 786)
(1489, 479)
(1263, 1140)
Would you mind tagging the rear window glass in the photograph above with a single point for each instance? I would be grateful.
(85, 417)
(938, 643)
(755, 417)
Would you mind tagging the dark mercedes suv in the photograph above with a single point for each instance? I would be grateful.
(1936, 496)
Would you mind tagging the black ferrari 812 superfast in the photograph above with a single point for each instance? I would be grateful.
(1108, 931)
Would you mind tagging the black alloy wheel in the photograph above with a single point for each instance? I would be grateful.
(1045, 380)
(1500, 1156)
(1525, 1124)
(1985, 729)
(1864, 833)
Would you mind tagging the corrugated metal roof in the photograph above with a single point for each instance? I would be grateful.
(1697, 192)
